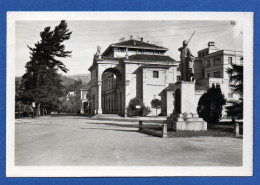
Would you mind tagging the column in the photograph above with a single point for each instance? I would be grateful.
(126, 99)
(99, 110)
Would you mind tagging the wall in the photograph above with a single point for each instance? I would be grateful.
(152, 87)
(131, 71)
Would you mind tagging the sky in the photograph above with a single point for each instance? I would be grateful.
(86, 35)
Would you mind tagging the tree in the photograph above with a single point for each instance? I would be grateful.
(235, 110)
(211, 104)
(156, 103)
(132, 110)
(42, 82)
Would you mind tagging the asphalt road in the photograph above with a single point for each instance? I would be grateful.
(80, 141)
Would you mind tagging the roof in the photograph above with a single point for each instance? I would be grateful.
(170, 87)
(138, 43)
(143, 57)
(156, 66)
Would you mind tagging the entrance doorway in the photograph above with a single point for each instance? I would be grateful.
(177, 104)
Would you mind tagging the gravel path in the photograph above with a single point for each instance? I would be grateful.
(80, 141)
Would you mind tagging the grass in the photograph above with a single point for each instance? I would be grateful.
(214, 130)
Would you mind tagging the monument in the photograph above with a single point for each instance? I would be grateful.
(184, 116)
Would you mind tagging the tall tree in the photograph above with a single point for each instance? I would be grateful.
(235, 110)
(42, 82)
(211, 104)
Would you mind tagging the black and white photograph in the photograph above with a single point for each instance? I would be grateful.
(129, 94)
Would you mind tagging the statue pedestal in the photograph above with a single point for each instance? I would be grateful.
(184, 116)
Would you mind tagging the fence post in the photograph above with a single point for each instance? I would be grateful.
(236, 129)
(140, 125)
(164, 130)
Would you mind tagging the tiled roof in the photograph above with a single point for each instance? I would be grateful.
(137, 43)
(151, 57)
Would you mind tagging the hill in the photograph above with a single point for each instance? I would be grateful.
(85, 78)
(69, 79)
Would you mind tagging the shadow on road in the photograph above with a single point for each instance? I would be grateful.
(111, 129)
(117, 124)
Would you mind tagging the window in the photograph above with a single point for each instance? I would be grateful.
(155, 74)
(208, 75)
(230, 60)
(202, 73)
(208, 63)
(216, 74)
(178, 78)
(199, 55)
(216, 61)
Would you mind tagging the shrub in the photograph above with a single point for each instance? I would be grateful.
(131, 109)
(211, 104)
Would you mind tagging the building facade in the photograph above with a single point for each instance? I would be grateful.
(82, 101)
(211, 66)
(126, 70)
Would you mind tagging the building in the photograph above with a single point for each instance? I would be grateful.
(126, 70)
(211, 67)
(82, 101)
(71, 95)
(135, 68)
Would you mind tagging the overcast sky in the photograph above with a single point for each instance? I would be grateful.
(86, 35)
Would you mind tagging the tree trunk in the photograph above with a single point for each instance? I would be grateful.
(42, 109)
(38, 110)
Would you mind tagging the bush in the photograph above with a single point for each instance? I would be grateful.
(211, 104)
(131, 109)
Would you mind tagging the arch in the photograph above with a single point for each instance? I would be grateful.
(177, 101)
(111, 86)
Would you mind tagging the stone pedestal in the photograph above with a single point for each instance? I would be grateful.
(184, 115)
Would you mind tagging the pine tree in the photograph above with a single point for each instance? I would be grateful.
(235, 110)
(42, 82)
(211, 104)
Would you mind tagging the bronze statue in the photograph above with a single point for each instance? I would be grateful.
(187, 60)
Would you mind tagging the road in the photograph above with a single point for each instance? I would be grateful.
(80, 141)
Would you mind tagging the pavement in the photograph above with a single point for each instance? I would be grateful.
(80, 141)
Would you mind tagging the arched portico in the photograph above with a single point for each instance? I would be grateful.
(111, 91)
(107, 86)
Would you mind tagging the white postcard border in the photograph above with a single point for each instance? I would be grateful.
(130, 171)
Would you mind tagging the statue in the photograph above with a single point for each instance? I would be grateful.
(187, 60)
(98, 51)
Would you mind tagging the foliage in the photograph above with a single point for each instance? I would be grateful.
(235, 110)
(77, 85)
(157, 104)
(211, 104)
(131, 109)
(42, 83)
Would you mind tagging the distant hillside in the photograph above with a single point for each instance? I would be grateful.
(67, 81)
(70, 79)
(85, 78)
